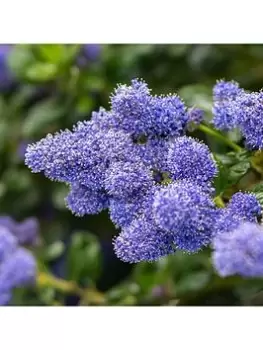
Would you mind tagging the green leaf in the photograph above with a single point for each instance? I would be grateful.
(258, 191)
(40, 116)
(84, 258)
(221, 180)
(193, 282)
(197, 95)
(58, 196)
(237, 171)
(53, 53)
(19, 59)
(54, 251)
(41, 72)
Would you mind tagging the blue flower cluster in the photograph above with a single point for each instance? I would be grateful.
(136, 161)
(236, 108)
(26, 231)
(17, 265)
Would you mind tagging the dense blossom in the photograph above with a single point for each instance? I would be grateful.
(225, 108)
(188, 213)
(82, 201)
(245, 205)
(235, 108)
(125, 179)
(192, 160)
(142, 240)
(140, 113)
(157, 184)
(239, 251)
(26, 231)
(250, 115)
(17, 265)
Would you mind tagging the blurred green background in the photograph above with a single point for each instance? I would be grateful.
(45, 88)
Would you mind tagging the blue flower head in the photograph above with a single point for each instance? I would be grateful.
(239, 251)
(187, 213)
(138, 112)
(250, 116)
(191, 160)
(8, 243)
(131, 104)
(26, 232)
(17, 265)
(18, 270)
(226, 90)
(244, 205)
(225, 108)
(167, 116)
(83, 201)
(124, 179)
(143, 241)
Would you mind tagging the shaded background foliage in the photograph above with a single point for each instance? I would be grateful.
(45, 88)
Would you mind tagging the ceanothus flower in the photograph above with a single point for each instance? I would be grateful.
(250, 116)
(167, 117)
(124, 210)
(8, 243)
(18, 269)
(154, 153)
(192, 160)
(143, 241)
(124, 179)
(82, 200)
(130, 105)
(26, 231)
(226, 107)
(187, 213)
(137, 112)
(239, 251)
(226, 90)
(244, 205)
(17, 265)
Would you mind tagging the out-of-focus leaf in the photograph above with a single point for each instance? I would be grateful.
(41, 72)
(197, 95)
(54, 251)
(237, 171)
(221, 180)
(84, 258)
(58, 195)
(258, 191)
(19, 59)
(193, 282)
(53, 53)
(41, 115)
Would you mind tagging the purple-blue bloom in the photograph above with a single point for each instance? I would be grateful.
(83, 201)
(138, 112)
(239, 251)
(26, 231)
(143, 241)
(226, 90)
(17, 265)
(250, 116)
(225, 108)
(88, 53)
(244, 205)
(187, 213)
(192, 160)
(124, 179)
